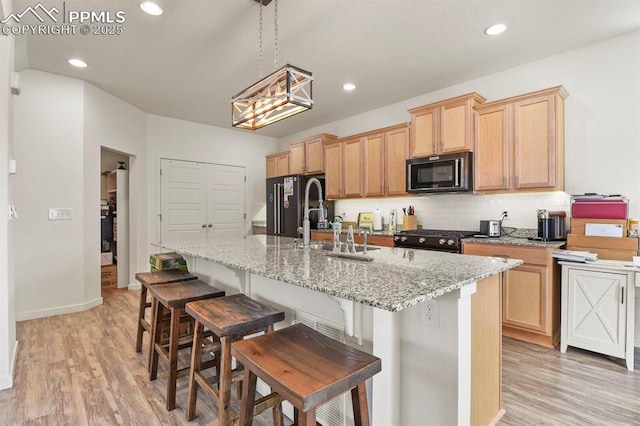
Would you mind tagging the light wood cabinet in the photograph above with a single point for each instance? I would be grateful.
(278, 164)
(343, 171)
(598, 308)
(373, 164)
(444, 127)
(352, 168)
(307, 156)
(520, 143)
(370, 164)
(396, 153)
(530, 292)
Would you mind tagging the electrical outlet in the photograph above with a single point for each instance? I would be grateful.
(431, 314)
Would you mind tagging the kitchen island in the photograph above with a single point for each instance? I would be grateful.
(433, 318)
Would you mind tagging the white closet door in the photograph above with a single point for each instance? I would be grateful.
(183, 200)
(226, 202)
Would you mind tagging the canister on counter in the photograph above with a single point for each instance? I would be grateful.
(633, 227)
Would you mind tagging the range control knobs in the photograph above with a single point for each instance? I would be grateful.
(442, 241)
(403, 239)
(422, 240)
(451, 242)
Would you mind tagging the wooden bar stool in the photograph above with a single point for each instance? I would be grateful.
(307, 369)
(173, 296)
(148, 279)
(230, 318)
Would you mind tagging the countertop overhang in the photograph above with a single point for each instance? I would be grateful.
(396, 279)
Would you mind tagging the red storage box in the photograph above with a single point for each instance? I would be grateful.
(600, 208)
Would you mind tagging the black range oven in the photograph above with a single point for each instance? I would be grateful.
(432, 239)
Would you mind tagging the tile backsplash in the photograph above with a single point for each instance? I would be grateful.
(462, 211)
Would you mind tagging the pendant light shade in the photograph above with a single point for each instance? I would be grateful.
(286, 92)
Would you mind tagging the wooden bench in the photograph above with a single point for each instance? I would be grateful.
(307, 369)
(174, 297)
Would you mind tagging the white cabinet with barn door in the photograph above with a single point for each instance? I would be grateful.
(201, 200)
(598, 308)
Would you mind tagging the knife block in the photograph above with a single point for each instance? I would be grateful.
(409, 222)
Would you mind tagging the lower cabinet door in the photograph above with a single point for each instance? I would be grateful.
(596, 316)
(525, 297)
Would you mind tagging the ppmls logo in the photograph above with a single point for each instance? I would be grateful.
(85, 22)
(38, 11)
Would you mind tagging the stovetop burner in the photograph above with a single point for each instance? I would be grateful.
(432, 239)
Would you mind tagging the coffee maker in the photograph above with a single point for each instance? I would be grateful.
(551, 225)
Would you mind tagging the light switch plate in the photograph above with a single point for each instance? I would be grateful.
(60, 214)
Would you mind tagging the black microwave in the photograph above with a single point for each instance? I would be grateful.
(440, 173)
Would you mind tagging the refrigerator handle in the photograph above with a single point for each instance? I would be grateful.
(275, 208)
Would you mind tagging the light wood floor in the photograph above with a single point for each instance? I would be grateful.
(81, 369)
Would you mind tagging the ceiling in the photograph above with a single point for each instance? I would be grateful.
(188, 62)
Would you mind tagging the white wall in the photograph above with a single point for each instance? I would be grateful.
(602, 127)
(61, 125)
(114, 124)
(8, 341)
(184, 140)
(49, 150)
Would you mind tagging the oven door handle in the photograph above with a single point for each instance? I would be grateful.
(456, 183)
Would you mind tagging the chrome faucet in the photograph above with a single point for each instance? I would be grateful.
(306, 225)
(364, 230)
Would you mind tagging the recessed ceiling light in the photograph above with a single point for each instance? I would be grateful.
(495, 29)
(151, 8)
(349, 87)
(79, 63)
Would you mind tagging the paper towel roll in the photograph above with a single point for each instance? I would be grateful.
(377, 220)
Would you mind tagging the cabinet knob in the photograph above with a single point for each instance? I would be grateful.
(204, 225)
(210, 225)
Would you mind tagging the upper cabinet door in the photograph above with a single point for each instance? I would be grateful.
(314, 154)
(397, 151)
(491, 156)
(297, 158)
(423, 133)
(535, 143)
(352, 168)
(333, 170)
(455, 123)
(374, 160)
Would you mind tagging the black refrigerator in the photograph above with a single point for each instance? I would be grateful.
(285, 205)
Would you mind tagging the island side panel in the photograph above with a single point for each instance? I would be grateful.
(429, 361)
(486, 349)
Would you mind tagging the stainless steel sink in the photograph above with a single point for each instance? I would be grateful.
(322, 245)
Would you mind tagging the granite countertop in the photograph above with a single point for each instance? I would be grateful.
(396, 278)
(515, 241)
(517, 237)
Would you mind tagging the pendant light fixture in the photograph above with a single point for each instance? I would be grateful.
(285, 92)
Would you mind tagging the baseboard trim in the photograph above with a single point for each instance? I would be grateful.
(69, 309)
(134, 286)
(6, 382)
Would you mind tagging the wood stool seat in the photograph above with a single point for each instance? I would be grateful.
(147, 279)
(174, 297)
(307, 369)
(230, 318)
